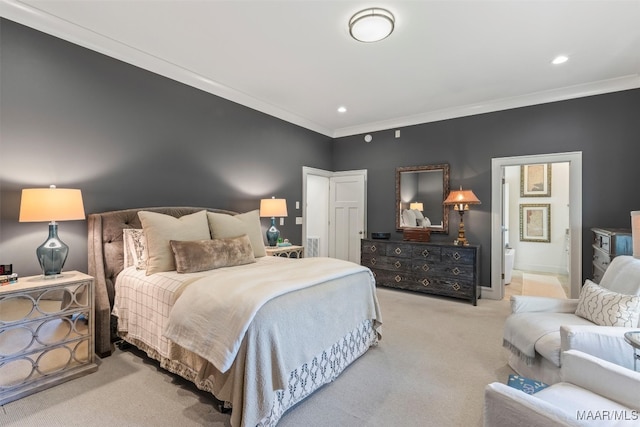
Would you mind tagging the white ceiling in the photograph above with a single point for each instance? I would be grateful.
(295, 59)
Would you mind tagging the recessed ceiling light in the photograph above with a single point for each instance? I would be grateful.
(560, 59)
(371, 25)
(342, 109)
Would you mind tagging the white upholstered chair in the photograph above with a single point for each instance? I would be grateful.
(540, 329)
(593, 392)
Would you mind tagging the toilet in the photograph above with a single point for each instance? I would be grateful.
(509, 255)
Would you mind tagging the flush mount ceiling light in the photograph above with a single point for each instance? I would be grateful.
(561, 59)
(371, 25)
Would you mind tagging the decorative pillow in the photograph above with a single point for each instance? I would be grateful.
(159, 229)
(422, 220)
(200, 255)
(223, 226)
(607, 308)
(409, 218)
(135, 248)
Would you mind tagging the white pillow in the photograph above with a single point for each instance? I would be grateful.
(135, 248)
(607, 308)
(224, 226)
(409, 218)
(160, 229)
(422, 220)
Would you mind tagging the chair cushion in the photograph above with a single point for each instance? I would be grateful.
(586, 406)
(549, 345)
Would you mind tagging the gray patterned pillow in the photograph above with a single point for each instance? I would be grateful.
(201, 255)
(607, 308)
(135, 248)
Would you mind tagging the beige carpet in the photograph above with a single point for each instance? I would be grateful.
(430, 369)
(542, 285)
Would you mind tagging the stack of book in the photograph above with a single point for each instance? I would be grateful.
(7, 276)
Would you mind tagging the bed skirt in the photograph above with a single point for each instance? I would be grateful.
(324, 368)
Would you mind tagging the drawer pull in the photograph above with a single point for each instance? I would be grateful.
(398, 278)
(455, 286)
(425, 282)
(425, 267)
(398, 251)
(455, 271)
(425, 253)
(397, 264)
(373, 261)
(374, 248)
(456, 256)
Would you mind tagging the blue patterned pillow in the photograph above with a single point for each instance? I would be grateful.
(607, 308)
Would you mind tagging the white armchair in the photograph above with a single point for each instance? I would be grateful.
(540, 329)
(593, 392)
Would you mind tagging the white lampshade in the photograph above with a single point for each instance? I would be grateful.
(371, 25)
(416, 205)
(635, 232)
(51, 204)
(273, 207)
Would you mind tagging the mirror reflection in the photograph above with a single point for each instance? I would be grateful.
(420, 191)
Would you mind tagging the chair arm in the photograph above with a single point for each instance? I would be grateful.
(601, 377)
(604, 342)
(508, 407)
(525, 303)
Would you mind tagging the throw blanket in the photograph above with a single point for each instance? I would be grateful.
(212, 315)
(521, 332)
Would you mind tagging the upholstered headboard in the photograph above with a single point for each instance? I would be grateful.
(106, 260)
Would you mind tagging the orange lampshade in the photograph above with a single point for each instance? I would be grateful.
(51, 204)
(462, 197)
(416, 205)
(273, 207)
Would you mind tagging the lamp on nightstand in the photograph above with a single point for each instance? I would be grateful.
(273, 208)
(51, 204)
(460, 200)
(416, 205)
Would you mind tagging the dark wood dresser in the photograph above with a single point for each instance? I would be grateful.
(609, 243)
(431, 268)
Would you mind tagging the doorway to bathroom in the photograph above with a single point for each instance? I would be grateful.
(529, 219)
(536, 229)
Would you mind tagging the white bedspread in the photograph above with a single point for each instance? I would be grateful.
(213, 313)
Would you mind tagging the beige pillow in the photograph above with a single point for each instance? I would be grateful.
(607, 308)
(159, 229)
(223, 226)
(201, 255)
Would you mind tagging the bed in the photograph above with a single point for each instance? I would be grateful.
(317, 316)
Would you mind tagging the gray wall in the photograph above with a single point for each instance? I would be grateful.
(605, 128)
(130, 138)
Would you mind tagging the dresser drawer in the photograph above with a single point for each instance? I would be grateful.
(400, 279)
(602, 242)
(458, 255)
(428, 253)
(386, 263)
(399, 250)
(373, 247)
(601, 259)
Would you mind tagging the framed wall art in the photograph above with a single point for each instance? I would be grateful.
(535, 180)
(535, 223)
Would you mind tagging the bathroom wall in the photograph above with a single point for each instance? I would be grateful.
(540, 256)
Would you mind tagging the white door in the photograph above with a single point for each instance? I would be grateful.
(346, 216)
(335, 214)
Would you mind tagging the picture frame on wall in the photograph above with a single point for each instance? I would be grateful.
(535, 180)
(535, 223)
